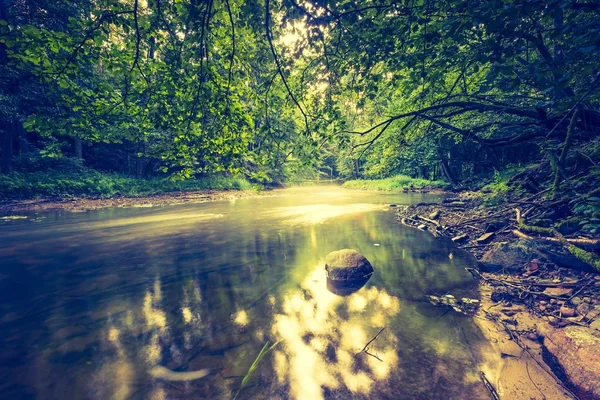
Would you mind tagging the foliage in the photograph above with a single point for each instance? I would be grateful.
(91, 183)
(497, 191)
(276, 90)
(395, 183)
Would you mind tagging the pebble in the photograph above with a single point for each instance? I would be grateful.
(567, 312)
(533, 336)
(587, 299)
(542, 307)
(583, 309)
(558, 292)
(552, 301)
(544, 302)
(576, 300)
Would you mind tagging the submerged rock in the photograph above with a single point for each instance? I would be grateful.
(347, 269)
(576, 350)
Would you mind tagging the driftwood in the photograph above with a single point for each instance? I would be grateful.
(431, 221)
(488, 385)
(580, 241)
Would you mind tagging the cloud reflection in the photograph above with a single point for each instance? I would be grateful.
(323, 335)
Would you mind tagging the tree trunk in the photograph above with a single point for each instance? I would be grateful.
(140, 162)
(7, 147)
(78, 149)
(23, 144)
(447, 171)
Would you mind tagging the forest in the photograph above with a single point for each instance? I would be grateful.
(476, 123)
(279, 92)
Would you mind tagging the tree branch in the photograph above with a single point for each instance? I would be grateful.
(279, 69)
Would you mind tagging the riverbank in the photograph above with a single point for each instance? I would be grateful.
(8, 207)
(540, 287)
(398, 184)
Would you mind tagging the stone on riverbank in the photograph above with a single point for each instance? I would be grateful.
(577, 351)
(510, 256)
(347, 265)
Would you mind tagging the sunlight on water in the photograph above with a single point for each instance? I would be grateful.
(314, 214)
(323, 349)
(177, 302)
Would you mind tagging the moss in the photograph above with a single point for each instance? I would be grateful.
(535, 229)
(585, 256)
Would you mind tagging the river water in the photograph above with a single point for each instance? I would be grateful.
(118, 303)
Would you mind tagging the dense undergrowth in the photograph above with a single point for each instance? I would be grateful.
(394, 183)
(92, 183)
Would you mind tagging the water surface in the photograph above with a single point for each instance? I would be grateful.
(91, 303)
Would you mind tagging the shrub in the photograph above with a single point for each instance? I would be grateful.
(394, 183)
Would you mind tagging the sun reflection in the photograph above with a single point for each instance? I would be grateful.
(319, 213)
(241, 319)
(323, 335)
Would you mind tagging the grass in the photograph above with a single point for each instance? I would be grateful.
(252, 370)
(394, 183)
(95, 184)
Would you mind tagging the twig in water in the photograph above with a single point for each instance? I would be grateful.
(373, 355)
(489, 386)
(364, 349)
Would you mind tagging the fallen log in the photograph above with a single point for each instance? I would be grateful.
(431, 221)
(593, 243)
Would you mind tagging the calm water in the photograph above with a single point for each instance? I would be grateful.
(91, 303)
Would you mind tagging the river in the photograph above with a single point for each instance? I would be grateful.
(118, 303)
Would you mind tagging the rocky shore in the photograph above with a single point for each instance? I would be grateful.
(540, 288)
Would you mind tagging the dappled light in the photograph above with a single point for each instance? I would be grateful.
(188, 312)
(298, 199)
(320, 347)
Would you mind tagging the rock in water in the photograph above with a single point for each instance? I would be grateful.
(347, 269)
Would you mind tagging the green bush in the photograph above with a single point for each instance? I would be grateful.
(499, 189)
(91, 183)
(394, 183)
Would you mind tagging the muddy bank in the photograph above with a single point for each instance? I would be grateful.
(540, 305)
(87, 204)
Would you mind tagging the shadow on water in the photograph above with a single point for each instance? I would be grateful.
(124, 303)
